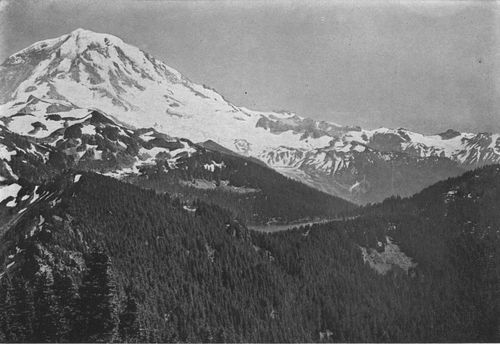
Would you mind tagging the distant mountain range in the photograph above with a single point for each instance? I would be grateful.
(57, 83)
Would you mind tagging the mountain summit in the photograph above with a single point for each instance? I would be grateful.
(88, 70)
(93, 70)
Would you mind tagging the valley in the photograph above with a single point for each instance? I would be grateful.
(287, 276)
(139, 206)
(271, 228)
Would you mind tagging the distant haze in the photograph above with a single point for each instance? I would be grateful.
(426, 66)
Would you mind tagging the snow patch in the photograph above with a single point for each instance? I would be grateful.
(354, 186)
(188, 208)
(5, 154)
(35, 195)
(88, 130)
(212, 166)
(9, 191)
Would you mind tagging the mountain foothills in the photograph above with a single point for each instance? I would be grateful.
(96, 259)
(127, 191)
(86, 70)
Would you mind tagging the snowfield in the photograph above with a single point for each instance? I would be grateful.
(59, 82)
(9, 191)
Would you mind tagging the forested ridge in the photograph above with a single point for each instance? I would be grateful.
(107, 261)
(264, 194)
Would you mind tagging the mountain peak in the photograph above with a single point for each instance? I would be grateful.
(84, 34)
(80, 40)
(80, 31)
(87, 35)
(72, 44)
(99, 65)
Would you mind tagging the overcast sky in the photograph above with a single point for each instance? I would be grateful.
(426, 66)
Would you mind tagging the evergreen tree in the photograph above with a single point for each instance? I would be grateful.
(129, 325)
(19, 311)
(67, 298)
(98, 305)
(45, 322)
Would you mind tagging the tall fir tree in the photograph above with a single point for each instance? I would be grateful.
(68, 300)
(46, 319)
(128, 327)
(98, 299)
(19, 311)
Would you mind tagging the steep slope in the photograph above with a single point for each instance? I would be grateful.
(437, 223)
(99, 71)
(151, 269)
(447, 240)
(89, 140)
(94, 70)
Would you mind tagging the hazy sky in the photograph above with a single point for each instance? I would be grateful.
(426, 66)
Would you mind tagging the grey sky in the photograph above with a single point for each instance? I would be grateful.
(426, 66)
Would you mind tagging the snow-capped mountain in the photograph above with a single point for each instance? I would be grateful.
(88, 140)
(81, 139)
(86, 70)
